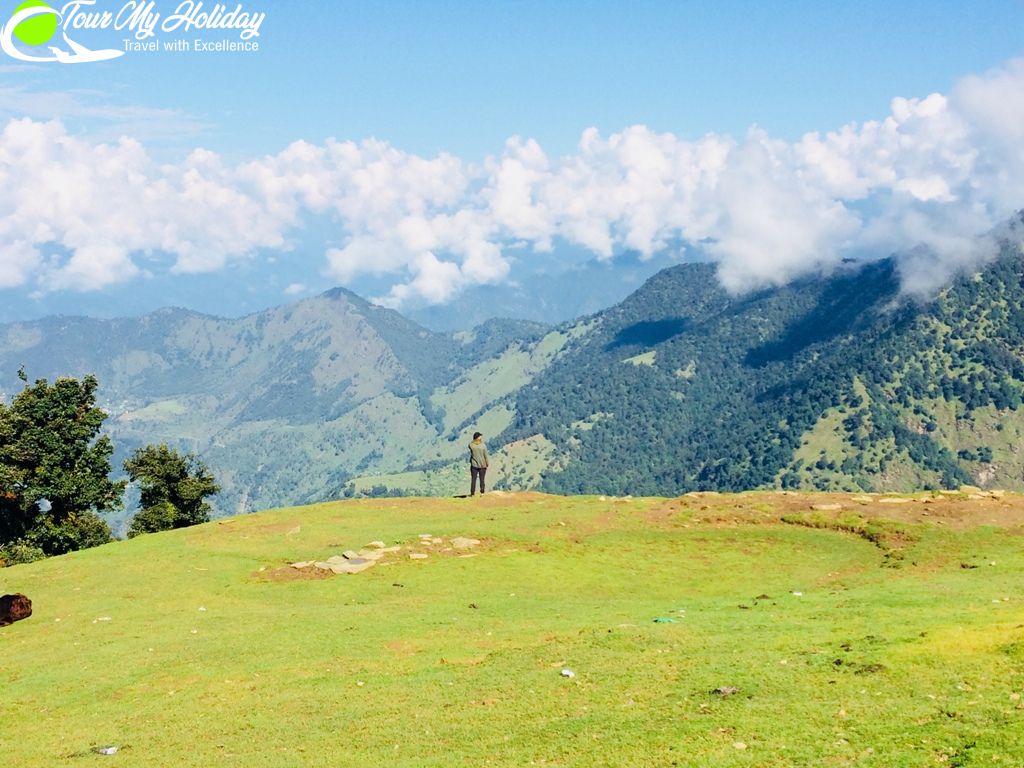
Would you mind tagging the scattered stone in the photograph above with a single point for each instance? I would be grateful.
(473, 605)
(826, 507)
(664, 620)
(111, 750)
(997, 494)
(348, 554)
(418, 556)
(461, 542)
(862, 499)
(869, 669)
(763, 596)
(297, 529)
(377, 544)
(302, 564)
(739, 745)
(893, 500)
(14, 608)
(725, 691)
(567, 673)
(970, 489)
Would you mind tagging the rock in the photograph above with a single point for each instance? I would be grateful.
(725, 690)
(369, 554)
(970, 489)
(461, 542)
(826, 507)
(567, 673)
(345, 565)
(14, 608)
(302, 564)
(739, 745)
(997, 494)
(418, 556)
(893, 500)
(348, 554)
(377, 544)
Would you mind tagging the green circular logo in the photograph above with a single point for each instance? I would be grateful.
(39, 29)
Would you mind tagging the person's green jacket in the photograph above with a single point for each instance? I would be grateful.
(478, 455)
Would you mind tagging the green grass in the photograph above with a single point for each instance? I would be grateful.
(872, 666)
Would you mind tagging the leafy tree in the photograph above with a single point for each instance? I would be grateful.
(54, 468)
(173, 489)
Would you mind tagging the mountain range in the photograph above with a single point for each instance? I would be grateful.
(836, 382)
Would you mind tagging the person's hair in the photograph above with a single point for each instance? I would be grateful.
(476, 435)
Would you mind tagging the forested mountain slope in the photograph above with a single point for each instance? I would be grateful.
(831, 383)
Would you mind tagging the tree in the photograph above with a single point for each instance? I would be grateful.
(173, 489)
(54, 469)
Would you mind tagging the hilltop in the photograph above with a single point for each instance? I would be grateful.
(769, 629)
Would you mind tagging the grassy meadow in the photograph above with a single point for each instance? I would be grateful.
(794, 630)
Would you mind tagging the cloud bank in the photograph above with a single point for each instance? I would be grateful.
(929, 180)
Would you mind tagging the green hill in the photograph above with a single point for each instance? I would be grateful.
(792, 629)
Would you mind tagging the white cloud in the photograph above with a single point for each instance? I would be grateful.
(930, 180)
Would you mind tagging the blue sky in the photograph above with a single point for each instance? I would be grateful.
(461, 79)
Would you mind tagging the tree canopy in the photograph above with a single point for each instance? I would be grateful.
(173, 489)
(54, 470)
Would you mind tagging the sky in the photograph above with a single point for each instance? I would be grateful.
(415, 150)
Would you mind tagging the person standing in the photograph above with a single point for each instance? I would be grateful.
(478, 463)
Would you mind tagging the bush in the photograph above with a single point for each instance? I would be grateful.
(19, 552)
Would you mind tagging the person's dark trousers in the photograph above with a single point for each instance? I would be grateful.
(474, 473)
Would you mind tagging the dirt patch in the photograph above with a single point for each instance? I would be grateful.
(423, 549)
(504, 498)
(287, 573)
(950, 509)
